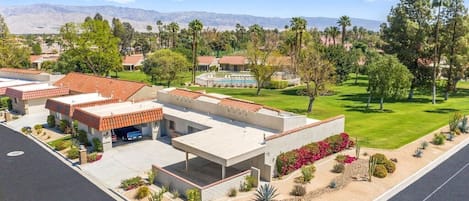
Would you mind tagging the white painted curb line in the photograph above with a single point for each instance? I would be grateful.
(420, 173)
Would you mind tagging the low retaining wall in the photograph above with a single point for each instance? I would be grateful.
(209, 192)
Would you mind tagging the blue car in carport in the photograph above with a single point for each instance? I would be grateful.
(133, 135)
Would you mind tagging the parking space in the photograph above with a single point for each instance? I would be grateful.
(29, 120)
(132, 159)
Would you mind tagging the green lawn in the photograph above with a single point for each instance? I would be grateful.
(139, 76)
(67, 139)
(400, 123)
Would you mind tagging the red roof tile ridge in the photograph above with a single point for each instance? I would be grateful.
(97, 76)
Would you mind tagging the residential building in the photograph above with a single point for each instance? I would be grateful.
(233, 63)
(37, 60)
(62, 108)
(30, 99)
(132, 62)
(28, 74)
(101, 121)
(5, 83)
(205, 62)
(122, 90)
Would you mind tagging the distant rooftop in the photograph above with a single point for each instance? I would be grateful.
(21, 71)
(33, 87)
(34, 91)
(80, 98)
(121, 108)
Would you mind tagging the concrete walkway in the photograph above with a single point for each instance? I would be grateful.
(132, 160)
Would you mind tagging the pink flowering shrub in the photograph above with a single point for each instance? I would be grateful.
(292, 160)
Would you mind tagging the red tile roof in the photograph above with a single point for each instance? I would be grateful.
(68, 109)
(43, 93)
(20, 71)
(186, 93)
(253, 107)
(82, 83)
(233, 60)
(205, 60)
(133, 59)
(117, 121)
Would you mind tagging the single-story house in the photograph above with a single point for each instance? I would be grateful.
(233, 138)
(31, 98)
(204, 62)
(5, 83)
(233, 63)
(101, 121)
(62, 107)
(132, 62)
(122, 90)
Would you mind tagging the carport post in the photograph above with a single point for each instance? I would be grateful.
(222, 172)
(187, 161)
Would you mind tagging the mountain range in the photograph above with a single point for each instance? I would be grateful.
(47, 18)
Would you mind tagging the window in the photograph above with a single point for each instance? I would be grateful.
(171, 125)
(16, 100)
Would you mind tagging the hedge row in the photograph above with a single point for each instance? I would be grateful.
(290, 161)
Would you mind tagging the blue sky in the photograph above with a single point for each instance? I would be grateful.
(368, 9)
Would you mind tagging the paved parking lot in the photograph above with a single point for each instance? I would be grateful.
(132, 159)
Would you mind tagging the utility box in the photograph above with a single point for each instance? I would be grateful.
(83, 155)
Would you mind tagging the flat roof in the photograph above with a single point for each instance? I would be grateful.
(225, 142)
(34, 87)
(11, 83)
(120, 108)
(80, 98)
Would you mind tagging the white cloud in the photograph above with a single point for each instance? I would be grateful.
(121, 1)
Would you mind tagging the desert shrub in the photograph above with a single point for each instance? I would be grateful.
(63, 145)
(131, 183)
(424, 144)
(83, 137)
(37, 127)
(298, 190)
(248, 184)
(142, 192)
(333, 184)
(454, 121)
(390, 166)
(277, 84)
(338, 168)
(307, 172)
(51, 121)
(97, 144)
(438, 139)
(463, 125)
(380, 158)
(193, 195)
(151, 176)
(73, 153)
(26, 130)
(232, 192)
(158, 196)
(340, 158)
(418, 153)
(92, 157)
(380, 171)
(64, 126)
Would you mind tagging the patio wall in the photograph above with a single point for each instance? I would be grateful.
(209, 192)
(294, 139)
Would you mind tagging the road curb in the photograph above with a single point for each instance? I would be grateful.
(420, 173)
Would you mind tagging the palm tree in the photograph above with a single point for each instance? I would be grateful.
(174, 28)
(195, 26)
(436, 63)
(266, 193)
(334, 32)
(298, 24)
(344, 22)
(159, 25)
(327, 31)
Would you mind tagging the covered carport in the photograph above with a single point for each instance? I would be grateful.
(101, 121)
(225, 147)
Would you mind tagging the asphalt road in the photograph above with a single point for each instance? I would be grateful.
(447, 182)
(39, 176)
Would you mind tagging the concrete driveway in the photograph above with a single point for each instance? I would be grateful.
(28, 120)
(133, 159)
